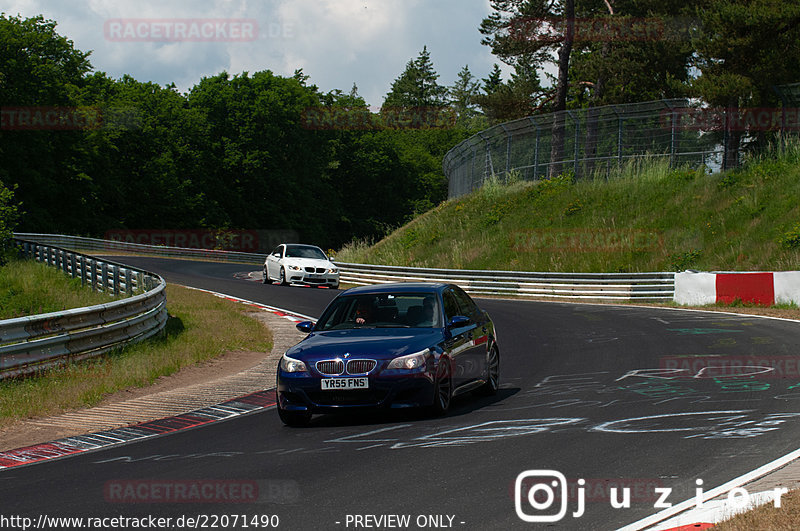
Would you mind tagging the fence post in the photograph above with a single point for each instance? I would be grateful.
(535, 150)
(577, 142)
(725, 138)
(672, 139)
(84, 273)
(508, 149)
(472, 169)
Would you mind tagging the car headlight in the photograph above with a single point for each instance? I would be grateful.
(294, 267)
(333, 270)
(292, 365)
(409, 362)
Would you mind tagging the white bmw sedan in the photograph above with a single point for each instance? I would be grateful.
(294, 263)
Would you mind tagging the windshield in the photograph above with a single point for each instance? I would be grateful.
(384, 310)
(304, 251)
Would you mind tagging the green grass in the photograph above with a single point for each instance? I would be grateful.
(645, 217)
(30, 288)
(200, 327)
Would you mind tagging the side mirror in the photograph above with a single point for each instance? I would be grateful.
(305, 326)
(457, 322)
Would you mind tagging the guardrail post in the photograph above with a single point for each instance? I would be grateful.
(128, 286)
(92, 264)
(104, 276)
(84, 277)
(72, 265)
(115, 279)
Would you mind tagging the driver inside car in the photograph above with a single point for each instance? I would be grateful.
(365, 313)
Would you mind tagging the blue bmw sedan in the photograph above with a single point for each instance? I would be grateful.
(407, 345)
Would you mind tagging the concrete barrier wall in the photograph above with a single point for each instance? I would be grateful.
(764, 288)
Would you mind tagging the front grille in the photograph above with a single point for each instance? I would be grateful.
(362, 397)
(360, 366)
(320, 270)
(332, 367)
(309, 270)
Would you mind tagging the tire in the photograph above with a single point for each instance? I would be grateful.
(282, 278)
(335, 286)
(266, 279)
(493, 366)
(443, 390)
(295, 419)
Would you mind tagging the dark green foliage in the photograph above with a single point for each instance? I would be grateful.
(682, 261)
(791, 238)
(9, 214)
(417, 86)
(235, 152)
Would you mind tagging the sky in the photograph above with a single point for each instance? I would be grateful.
(335, 42)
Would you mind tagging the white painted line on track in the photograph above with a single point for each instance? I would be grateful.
(654, 519)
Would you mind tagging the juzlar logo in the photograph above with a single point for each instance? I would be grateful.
(554, 480)
(539, 490)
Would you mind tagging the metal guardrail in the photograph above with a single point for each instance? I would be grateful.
(597, 286)
(106, 246)
(30, 344)
(566, 286)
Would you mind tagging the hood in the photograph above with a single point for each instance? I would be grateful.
(309, 262)
(375, 343)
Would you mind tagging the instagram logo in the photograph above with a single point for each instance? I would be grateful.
(538, 490)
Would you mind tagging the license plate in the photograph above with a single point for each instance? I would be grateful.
(314, 276)
(345, 383)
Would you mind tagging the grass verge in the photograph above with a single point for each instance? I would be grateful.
(30, 288)
(645, 217)
(767, 516)
(200, 327)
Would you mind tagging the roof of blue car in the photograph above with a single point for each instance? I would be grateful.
(405, 287)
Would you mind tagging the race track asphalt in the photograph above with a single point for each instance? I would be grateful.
(614, 395)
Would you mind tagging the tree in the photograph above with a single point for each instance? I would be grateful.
(745, 47)
(494, 81)
(462, 97)
(526, 33)
(417, 86)
(9, 215)
(628, 51)
(42, 71)
(522, 96)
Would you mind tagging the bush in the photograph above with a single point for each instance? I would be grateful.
(9, 214)
(791, 238)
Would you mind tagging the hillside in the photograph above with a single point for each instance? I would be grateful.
(645, 217)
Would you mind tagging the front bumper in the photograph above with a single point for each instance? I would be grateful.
(304, 393)
(312, 279)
